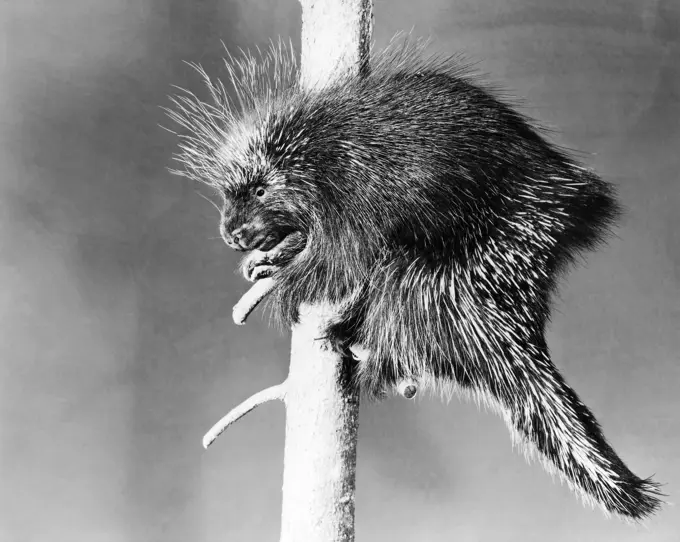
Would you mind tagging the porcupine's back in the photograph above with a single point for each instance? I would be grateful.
(416, 157)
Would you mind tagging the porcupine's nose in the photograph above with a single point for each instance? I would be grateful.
(231, 238)
(238, 239)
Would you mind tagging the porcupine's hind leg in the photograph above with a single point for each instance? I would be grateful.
(428, 324)
(393, 330)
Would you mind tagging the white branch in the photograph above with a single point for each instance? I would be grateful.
(274, 393)
(251, 299)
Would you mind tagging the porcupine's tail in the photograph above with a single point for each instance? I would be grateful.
(549, 417)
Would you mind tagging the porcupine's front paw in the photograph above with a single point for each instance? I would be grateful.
(259, 264)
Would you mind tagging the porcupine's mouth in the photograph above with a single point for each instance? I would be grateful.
(264, 259)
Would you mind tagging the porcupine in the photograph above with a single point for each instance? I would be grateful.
(439, 219)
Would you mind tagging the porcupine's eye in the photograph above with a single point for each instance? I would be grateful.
(260, 192)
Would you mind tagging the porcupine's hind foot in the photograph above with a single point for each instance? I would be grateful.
(340, 334)
(343, 334)
(360, 353)
(343, 331)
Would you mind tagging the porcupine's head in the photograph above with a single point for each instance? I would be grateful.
(259, 204)
(237, 143)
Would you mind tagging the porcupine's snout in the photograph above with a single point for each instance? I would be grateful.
(239, 238)
(249, 236)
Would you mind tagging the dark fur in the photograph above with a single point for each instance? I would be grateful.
(438, 217)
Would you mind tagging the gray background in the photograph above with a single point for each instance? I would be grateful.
(117, 348)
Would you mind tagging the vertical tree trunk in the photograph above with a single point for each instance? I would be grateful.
(322, 419)
(336, 39)
(322, 411)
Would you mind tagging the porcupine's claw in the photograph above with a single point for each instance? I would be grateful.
(359, 352)
(259, 264)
